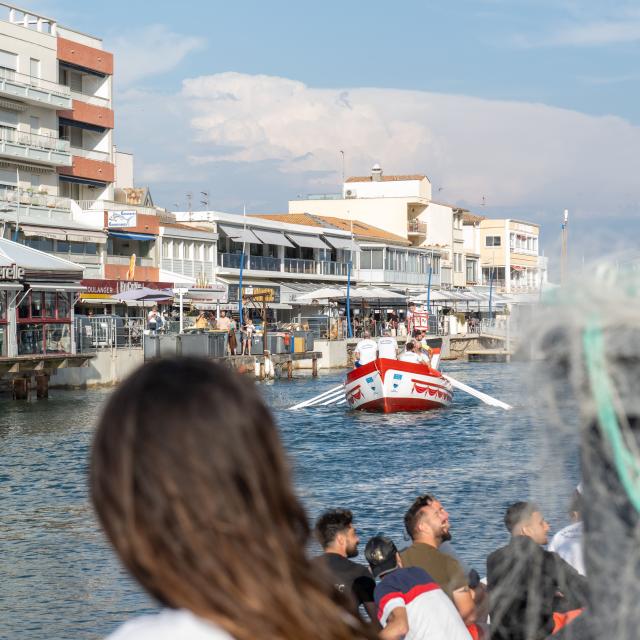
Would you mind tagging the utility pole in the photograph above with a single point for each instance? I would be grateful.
(563, 252)
(342, 154)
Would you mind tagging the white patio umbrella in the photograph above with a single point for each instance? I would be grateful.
(325, 293)
(375, 293)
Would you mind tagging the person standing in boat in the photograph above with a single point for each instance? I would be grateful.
(387, 346)
(339, 540)
(366, 350)
(409, 354)
(193, 489)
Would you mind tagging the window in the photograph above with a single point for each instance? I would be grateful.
(457, 262)
(8, 64)
(166, 248)
(34, 123)
(34, 68)
(371, 259)
(176, 249)
(472, 270)
(493, 241)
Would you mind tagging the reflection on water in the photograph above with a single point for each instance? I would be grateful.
(60, 580)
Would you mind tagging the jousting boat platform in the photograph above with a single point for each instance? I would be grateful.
(387, 386)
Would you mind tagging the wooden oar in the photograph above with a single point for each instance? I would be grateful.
(486, 398)
(318, 398)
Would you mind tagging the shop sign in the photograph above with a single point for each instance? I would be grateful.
(272, 293)
(13, 272)
(104, 289)
(121, 219)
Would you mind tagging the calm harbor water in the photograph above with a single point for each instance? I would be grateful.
(59, 579)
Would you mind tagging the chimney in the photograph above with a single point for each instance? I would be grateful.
(376, 173)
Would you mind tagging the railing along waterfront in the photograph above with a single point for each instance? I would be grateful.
(108, 332)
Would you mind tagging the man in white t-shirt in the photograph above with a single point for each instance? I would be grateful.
(409, 354)
(366, 350)
(387, 346)
(567, 543)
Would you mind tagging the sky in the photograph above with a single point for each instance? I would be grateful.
(513, 108)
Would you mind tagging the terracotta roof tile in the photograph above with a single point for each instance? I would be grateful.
(361, 230)
(472, 218)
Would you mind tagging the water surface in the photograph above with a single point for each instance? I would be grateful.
(59, 579)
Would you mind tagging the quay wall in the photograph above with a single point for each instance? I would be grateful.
(107, 368)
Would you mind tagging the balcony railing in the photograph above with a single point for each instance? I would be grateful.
(126, 260)
(91, 154)
(31, 146)
(90, 98)
(33, 199)
(327, 268)
(257, 263)
(415, 227)
(32, 89)
(110, 205)
(295, 265)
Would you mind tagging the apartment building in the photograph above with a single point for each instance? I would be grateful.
(472, 244)
(403, 206)
(509, 255)
(56, 126)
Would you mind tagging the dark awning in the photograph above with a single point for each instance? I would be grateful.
(91, 183)
(81, 125)
(132, 236)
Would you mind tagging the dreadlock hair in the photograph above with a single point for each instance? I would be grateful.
(192, 487)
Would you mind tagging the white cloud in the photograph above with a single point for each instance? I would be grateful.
(150, 50)
(516, 154)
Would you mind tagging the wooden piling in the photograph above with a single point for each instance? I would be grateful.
(289, 369)
(42, 385)
(262, 374)
(314, 367)
(21, 388)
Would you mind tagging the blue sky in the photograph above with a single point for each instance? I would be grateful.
(531, 104)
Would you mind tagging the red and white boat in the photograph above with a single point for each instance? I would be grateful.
(393, 385)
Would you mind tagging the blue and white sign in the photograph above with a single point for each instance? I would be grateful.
(121, 219)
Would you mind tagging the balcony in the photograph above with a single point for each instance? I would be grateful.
(96, 101)
(126, 261)
(35, 148)
(255, 263)
(91, 154)
(30, 199)
(295, 265)
(416, 228)
(407, 278)
(32, 90)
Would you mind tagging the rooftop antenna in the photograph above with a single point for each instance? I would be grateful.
(204, 200)
(343, 175)
(484, 201)
(563, 252)
(189, 201)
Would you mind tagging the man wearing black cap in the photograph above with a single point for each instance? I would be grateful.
(411, 605)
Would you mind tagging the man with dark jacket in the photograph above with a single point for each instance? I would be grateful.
(528, 585)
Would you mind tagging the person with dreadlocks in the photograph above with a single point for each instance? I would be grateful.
(192, 487)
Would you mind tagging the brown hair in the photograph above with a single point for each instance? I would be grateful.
(192, 487)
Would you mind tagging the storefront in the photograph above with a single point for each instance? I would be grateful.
(37, 294)
(97, 297)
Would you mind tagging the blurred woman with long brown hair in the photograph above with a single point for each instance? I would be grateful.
(193, 490)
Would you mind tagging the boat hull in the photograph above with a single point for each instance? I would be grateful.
(389, 386)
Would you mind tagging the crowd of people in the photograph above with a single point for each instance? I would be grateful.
(219, 538)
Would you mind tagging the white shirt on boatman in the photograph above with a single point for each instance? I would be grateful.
(387, 347)
(411, 356)
(367, 351)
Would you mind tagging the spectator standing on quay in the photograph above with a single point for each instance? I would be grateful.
(339, 541)
(153, 320)
(192, 487)
(528, 585)
(411, 605)
(224, 322)
(247, 335)
(427, 524)
(202, 321)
